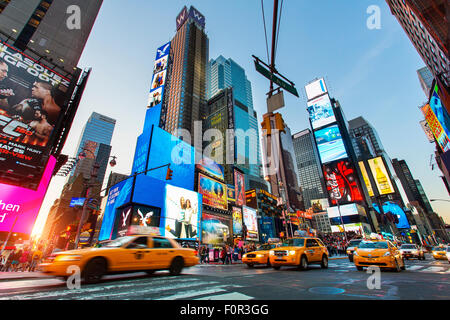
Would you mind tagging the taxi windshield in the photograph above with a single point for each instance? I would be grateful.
(118, 242)
(373, 245)
(293, 242)
(408, 246)
(354, 243)
(438, 249)
(266, 247)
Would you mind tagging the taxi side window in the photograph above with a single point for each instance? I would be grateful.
(311, 243)
(320, 242)
(161, 243)
(138, 243)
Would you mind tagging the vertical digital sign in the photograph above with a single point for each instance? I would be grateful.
(342, 186)
(381, 176)
(239, 183)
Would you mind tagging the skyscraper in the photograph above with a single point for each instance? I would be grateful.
(364, 137)
(54, 30)
(227, 74)
(186, 83)
(94, 146)
(424, 21)
(310, 175)
(426, 79)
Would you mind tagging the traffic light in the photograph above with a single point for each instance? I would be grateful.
(169, 174)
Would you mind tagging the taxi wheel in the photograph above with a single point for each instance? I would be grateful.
(324, 263)
(276, 267)
(94, 270)
(249, 266)
(303, 263)
(176, 266)
(359, 268)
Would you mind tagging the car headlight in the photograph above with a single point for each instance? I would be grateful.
(259, 255)
(68, 258)
(272, 252)
(387, 254)
(355, 253)
(414, 252)
(292, 252)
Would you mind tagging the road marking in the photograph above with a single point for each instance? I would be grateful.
(192, 293)
(228, 296)
(432, 269)
(412, 268)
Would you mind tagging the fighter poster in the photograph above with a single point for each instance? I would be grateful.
(32, 100)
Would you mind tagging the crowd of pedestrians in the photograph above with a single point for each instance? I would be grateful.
(227, 254)
(21, 260)
(337, 243)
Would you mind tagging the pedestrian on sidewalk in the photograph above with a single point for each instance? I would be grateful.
(4, 261)
(15, 256)
(229, 254)
(236, 253)
(207, 254)
(23, 260)
(35, 259)
(223, 255)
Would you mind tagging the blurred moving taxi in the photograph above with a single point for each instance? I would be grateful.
(439, 253)
(129, 253)
(381, 253)
(299, 252)
(259, 256)
(448, 253)
(412, 251)
(352, 245)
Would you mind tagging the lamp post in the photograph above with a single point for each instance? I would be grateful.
(94, 170)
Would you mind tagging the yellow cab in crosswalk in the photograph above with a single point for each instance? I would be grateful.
(299, 252)
(380, 253)
(260, 255)
(439, 252)
(129, 253)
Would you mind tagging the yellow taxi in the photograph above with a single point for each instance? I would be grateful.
(439, 253)
(260, 256)
(299, 251)
(381, 253)
(129, 253)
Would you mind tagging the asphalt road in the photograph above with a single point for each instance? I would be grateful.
(429, 279)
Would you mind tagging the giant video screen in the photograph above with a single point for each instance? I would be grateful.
(183, 212)
(214, 193)
(393, 208)
(215, 230)
(321, 112)
(33, 99)
(251, 222)
(211, 167)
(237, 221)
(159, 76)
(381, 176)
(330, 144)
(341, 182)
(23, 204)
(239, 187)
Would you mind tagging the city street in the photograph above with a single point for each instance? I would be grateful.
(429, 279)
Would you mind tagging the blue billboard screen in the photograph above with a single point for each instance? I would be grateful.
(321, 112)
(396, 210)
(330, 144)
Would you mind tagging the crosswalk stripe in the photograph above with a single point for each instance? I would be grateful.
(432, 269)
(192, 293)
(412, 268)
(228, 296)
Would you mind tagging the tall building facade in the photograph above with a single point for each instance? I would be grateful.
(54, 30)
(226, 74)
(425, 23)
(95, 146)
(310, 175)
(426, 79)
(186, 81)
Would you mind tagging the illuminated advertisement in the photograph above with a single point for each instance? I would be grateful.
(77, 202)
(321, 112)
(345, 210)
(215, 230)
(330, 144)
(237, 221)
(381, 176)
(239, 185)
(159, 76)
(355, 227)
(183, 212)
(390, 207)
(315, 89)
(138, 219)
(211, 168)
(214, 193)
(436, 128)
(250, 222)
(426, 128)
(319, 205)
(23, 204)
(439, 110)
(33, 99)
(231, 193)
(184, 15)
(341, 182)
(366, 178)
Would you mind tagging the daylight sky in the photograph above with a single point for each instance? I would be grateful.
(371, 72)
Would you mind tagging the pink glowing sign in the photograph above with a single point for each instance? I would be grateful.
(23, 203)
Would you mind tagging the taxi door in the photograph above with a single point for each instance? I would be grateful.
(134, 255)
(312, 250)
(162, 253)
(394, 250)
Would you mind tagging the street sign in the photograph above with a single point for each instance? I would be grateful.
(269, 75)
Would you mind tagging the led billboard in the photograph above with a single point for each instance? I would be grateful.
(33, 100)
(239, 185)
(330, 144)
(231, 193)
(345, 210)
(237, 221)
(321, 112)
(23, 204)
(215, 229)
(319, 205)
(362, 167)
(251, 222)
(77, 202)
(182, 213)
(381, 176)
(394, 209)
(436, 128)
(211, 168)
(315, 89)
(214, 193)
(159, 75)
(439, 110)
(341, 182)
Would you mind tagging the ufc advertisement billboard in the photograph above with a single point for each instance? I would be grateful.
(33, 99)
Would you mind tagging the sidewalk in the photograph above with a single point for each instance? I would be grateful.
(5, 276)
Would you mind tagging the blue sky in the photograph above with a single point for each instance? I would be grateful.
(371, 72)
